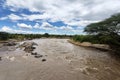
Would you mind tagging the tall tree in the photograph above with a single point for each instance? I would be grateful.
(110, 26)
(109, 29)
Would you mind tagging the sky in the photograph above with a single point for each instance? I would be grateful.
(53, 16)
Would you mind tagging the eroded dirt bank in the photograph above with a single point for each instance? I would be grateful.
(64, 61)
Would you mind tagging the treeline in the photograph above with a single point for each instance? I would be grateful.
(95, 39)
(104, 32)
(98, 39)
(6, 36)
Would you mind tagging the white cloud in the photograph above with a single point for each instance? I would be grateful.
(80, 23)
(66, 28)
(3, 18)
(36, 26)
(67, 10)
(23, 25)
(5, 28)
(47, 26)
(10, 30)
(34, 17)
(12, 17)
(44, 26)
(51, 30)
(71, 12)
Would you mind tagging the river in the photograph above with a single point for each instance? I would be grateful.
(64, 61)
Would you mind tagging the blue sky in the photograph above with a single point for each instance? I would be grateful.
(53, 16)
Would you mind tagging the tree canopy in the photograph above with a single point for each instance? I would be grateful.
(107, 31)
(110, 26)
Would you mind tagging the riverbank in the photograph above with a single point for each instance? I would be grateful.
(104, 47)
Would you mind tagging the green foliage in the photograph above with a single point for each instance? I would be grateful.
(110, 26)
(107, 31)
(4, 36)
(20, 37)
(86, 38)
(104, 32)
(46, 35)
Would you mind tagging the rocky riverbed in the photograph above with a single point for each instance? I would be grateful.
(55, 59)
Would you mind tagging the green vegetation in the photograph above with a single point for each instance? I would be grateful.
(96, 39)
(6, 36)
(104, 32)
(86, 38)
(107, 31)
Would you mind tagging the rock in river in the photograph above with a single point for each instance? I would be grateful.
(10, 43)
(43, 60)
(28, 46)
(34, 53)
(0, 58)
(38, 56)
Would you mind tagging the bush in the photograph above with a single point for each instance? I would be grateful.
(86, 38)
(4, 36)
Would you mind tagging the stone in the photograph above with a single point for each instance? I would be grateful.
(43, 60)
(33, 47)
(0, 58)
(38, 56)
(28, 46)
(10, 44)
(34, 53)
(28, 49)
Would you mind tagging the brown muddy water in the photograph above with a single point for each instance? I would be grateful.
(64, 61)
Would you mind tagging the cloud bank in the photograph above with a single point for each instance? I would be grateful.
(72, 12)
